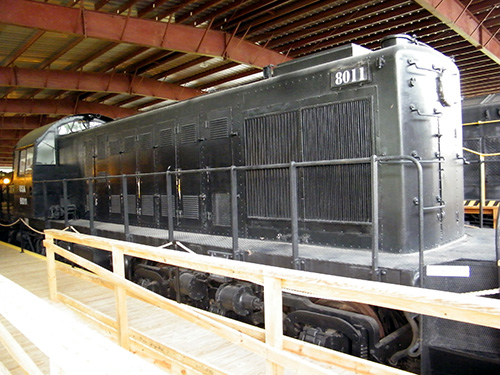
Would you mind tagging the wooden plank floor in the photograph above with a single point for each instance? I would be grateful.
(29, 271)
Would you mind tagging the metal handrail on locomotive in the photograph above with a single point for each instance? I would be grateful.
(347, 162)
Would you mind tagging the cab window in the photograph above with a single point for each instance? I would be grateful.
(46, 149)
(25, 165)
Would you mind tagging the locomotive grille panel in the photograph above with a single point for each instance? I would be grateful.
(188, 133)
(276, 139)
(115, 204)
(145, 141)
(147, 205)
(218, 128)
(270, 139)
(129, 144)
(114, 147)
(328, 191)
(222, 210)
(191, 207)
(166, 138)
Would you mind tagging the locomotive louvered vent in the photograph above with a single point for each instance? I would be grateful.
(115, 204)
(329, 193)
(338, 131)
(145, 141)
(166, 138)
(218, 128)
(270, 139)
(190, 207)
(147, 205)
(129, 144)
(164, 207)
(188, 133)
(222, 209)
(471, 171)
(114, 147)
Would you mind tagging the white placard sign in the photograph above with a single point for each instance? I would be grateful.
(448, 270)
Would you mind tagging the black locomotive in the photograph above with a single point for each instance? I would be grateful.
(347, 162)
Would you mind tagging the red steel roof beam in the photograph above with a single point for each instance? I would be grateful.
(455, 15)
(103, 82)
(170, 36)
(24, 122)
(61, 107)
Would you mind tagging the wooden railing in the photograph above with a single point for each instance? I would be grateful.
(71, 348)
(280, 352)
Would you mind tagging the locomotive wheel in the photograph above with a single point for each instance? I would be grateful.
(39, 248)
(359, 308)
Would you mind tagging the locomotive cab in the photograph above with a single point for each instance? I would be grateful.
(36, 159)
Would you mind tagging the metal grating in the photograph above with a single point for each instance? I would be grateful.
(166, 138)
(218, 128)
(188, 133)
(270, 139)
(277, 138)
(491, 146)
(129, 144)
(191, 207)
(338, 131)
(145, 141)
(222, 209)
(114, 147)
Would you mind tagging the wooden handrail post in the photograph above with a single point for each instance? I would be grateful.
(121, 299)
(51, 266)
(273, 318)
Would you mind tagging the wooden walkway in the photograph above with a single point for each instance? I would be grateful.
(29, 271)
(199, 350)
